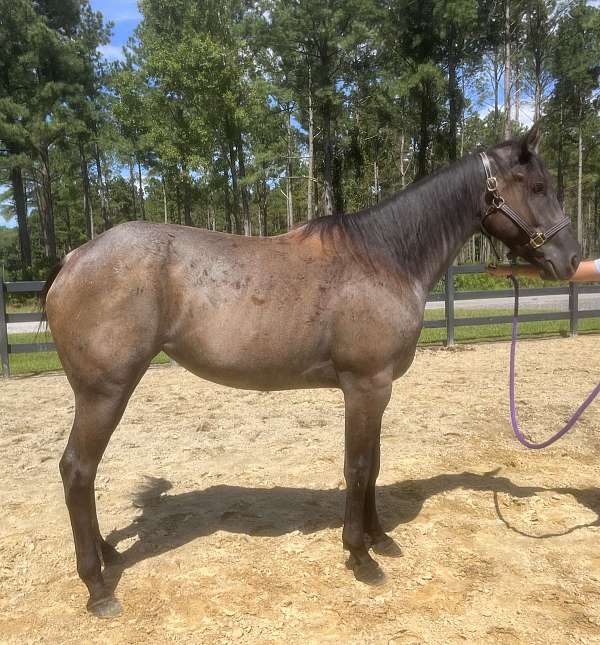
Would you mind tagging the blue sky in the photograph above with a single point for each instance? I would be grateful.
(125, 16)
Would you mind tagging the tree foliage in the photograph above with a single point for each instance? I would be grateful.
(249, 117)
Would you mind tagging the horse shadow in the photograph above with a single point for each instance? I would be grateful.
(170, 521)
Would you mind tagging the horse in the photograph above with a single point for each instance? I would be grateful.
(335, 303)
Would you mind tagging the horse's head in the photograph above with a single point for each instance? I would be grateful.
(523, 211)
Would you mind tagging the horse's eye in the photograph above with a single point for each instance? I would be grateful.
(539, 187)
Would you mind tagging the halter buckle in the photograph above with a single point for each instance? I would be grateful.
(492, 184)
(537, 240)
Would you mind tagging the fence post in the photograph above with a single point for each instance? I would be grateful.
(449, 308)
(573, 308)
(3, 332)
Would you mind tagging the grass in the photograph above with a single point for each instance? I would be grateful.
(481, 333)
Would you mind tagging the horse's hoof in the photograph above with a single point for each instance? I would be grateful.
(387, 547)
(370, 573)
(105, 607)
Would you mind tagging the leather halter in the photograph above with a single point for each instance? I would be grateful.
(536, 237)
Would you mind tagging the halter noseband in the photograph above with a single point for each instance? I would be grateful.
(536, 238)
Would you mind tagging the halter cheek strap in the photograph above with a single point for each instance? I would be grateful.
(536, 237)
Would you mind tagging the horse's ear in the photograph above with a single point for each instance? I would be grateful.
(531, 142)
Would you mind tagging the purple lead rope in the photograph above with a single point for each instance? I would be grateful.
(513, 409)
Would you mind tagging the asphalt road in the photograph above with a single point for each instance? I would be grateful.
(551, 303)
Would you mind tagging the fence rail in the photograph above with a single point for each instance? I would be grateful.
(448, 297)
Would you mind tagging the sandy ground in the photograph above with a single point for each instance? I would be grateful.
(228, 507)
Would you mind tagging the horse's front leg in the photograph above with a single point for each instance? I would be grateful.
(381, 543)
(366, 398)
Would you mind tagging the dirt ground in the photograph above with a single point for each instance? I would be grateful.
(228, 507)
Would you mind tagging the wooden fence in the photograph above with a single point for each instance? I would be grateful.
(449, 297)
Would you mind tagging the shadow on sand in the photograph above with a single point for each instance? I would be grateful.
(170, 521)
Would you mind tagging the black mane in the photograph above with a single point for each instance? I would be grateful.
(418, 221)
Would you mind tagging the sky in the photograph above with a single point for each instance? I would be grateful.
(125, 16)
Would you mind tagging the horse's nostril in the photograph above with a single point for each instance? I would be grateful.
(575, 262)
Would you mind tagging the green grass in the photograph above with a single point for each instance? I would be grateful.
(481, 333)
(46, 361)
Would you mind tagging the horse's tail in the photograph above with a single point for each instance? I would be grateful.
(54, 271)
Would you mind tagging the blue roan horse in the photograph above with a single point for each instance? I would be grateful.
(336, 303)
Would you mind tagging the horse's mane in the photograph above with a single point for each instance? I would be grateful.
(419, 219)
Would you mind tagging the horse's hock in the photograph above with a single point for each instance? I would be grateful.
(227, 506)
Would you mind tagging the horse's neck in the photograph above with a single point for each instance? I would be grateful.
(434, 218)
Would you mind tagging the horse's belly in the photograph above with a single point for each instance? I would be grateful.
(251, 370)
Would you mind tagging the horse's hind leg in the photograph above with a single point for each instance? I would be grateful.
(108, 552)
(97, 413)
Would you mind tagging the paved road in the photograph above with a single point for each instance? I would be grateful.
(554, 303)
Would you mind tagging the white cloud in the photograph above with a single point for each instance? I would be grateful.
(526, 111)
(112, 52)
(118, 10)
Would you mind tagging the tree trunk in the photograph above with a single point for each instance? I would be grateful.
(132, 187)
(187, 198)
(164, 192)
(560, 179)
(517, 91)
(311, 147)
(496, 82)
(229, 223)
(288, 179)
(262, 195)
(102, 189)
(328, 161)
(424, 141)
(47, 206)
(338, 190)
(454, 99)
(178, 201)
(20, 200)
(243, 188)
(87, 193)
(580, 182)
(141, 190)
(404, 164)
(507, 71)
(537, 101)
(235, 206)
(68, 225)
(462, 119)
